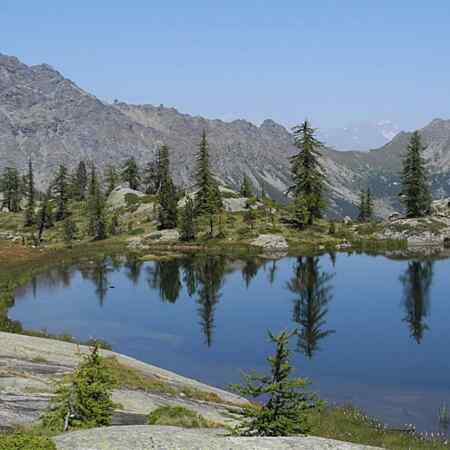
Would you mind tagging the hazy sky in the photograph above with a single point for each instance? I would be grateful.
(334, 62)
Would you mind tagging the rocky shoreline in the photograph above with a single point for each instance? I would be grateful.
(29, 364)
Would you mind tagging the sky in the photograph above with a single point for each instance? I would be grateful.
(333, 62)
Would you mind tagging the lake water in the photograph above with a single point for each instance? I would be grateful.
(371, 330)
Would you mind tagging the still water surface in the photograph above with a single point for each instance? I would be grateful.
(371, 330)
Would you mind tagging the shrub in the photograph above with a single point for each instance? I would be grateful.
(25, 441)
(178, 416)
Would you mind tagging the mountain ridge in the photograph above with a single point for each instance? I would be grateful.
(46, 116)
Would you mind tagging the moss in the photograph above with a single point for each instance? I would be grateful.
(179, 416)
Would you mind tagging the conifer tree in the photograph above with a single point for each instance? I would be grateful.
(307, 174)
(130, 173)
(111, 179)
(415, 194)
(208, 199)
(61, 190)
(167, 195)
(96, 207)
(80, 182)
(44, 219)
(246, 187)
(365, 206)
(86, 400)
(70, 230)
(30, 195)
(187, 221)
(10, 185)
(150, 178)
(287, 403)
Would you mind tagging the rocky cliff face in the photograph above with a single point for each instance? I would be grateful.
(48, 117)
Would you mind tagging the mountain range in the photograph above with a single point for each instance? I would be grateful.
(46, 116)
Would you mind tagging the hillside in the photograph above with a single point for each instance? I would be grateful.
(48, 117)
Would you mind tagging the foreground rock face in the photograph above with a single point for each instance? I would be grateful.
(170, 438)
(271, 242)
(29, 364)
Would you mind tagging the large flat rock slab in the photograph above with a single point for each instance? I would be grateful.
(29, 364)
(146, 437)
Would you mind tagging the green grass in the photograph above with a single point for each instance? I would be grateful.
(351, 425)
(130, 378)
(179, 416)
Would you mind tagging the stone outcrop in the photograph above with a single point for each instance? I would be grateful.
(271, 242)
(29, 364)
(162, 236)
(117, 199)
(172, 438)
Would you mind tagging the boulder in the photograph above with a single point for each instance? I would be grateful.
(347, 220)
(394, 216)
(118, 197)
(271, 242)
(163, 236)
(441, 207)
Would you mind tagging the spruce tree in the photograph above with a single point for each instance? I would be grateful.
(246, 187)
(187, 221)
(365, 206)
(415, 193)
(287, 403)
(130, 173)
(61, 191)
(307, 173)
(30, 195)
(80, 182)
(208, 199)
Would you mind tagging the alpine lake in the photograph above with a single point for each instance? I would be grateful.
(373, 331)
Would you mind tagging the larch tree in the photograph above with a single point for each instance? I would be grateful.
(61, 192)
(167, 195)
(130, 173)
(308, 179)
(80, 182)
(246, 187)
(10, 185)
(415, 195)
(30, 196)
(208, 198)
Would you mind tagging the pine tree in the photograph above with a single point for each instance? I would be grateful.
(208, 199)
(10, 185)
(415, 194)
(187, 221)
(111, 179)
(130, 173)
(307, 174)
(30, 195)
(80, 182)
(369, 204)
(246, 187)
(287, 404)
(86, 400)
(150, 178)
(61, 191)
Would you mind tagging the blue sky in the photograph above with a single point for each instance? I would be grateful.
(335, 62)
